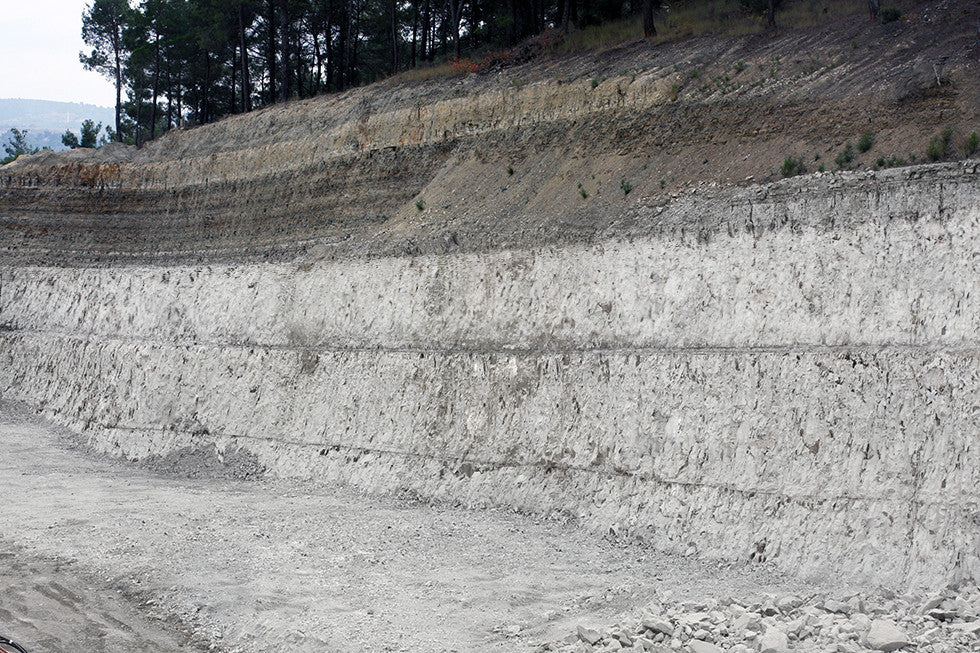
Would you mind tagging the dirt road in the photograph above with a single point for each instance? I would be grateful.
(102, 555)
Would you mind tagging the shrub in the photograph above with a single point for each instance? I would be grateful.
(843, 160)
(510, 170)
(420, 205)
(625, 186)
(865, 142)
(939, 145)
(890, 14)
(880, 163)
(972, 144)
(792, 167)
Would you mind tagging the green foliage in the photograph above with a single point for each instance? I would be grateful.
(16, 145)
(844, 158)
(866, 141)
(890, 15)
(582, 191)
(69, 140)
(938, 148)
(972, 144)
(420, 204)
(792, 167)
(625, 186)
(90, 136)
(510, 170)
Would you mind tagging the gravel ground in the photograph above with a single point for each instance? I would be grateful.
(119, 558)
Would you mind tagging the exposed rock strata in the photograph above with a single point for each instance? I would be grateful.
(786, 374)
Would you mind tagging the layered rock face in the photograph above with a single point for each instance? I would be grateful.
(786, 373)
(501, 290)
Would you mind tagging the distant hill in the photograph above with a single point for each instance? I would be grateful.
(46, 121)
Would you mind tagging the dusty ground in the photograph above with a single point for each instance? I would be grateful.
(99, 553)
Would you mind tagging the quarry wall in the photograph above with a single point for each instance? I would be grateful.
(786, 373)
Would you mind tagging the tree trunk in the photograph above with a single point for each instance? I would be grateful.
(328, 5)
(415, 32)
(393, 33)
(284, 82)
(454, 18)
(270, 60)
(118, 94)
(156, 86)
(649, 27)
(246, 84)
(771, 17)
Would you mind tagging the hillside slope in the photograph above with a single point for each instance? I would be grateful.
(544, 150)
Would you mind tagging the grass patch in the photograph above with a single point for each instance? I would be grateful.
(866, 141)
(938, 147)
(792, 167)
(972, 144)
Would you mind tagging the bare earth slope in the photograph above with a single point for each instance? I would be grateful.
(503, 158)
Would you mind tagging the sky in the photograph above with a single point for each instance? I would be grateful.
(39, 45)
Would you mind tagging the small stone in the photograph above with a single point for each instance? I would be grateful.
(514, 630)
(831, 605)
(787, 604)
(698, 646)
(861, 621)
(589, 636)
(748, 621)
(623, 637)
(701, 633)
(773, 641)
(643, 643)
(675, 644)
(658, 625)
(968, 627)
(885, 635)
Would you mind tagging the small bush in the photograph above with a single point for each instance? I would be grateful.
(865, 142)
(420, 205)
(792, 167)
(739, 66)
(972, 144)
(880, 163)
(510, 170)
(844, 158)
(583, 193)
(939, 145)
(890, 15)
(625, 186)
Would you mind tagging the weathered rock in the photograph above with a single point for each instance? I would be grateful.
(885, 635)
(699, 646)
(773, 641)
(588, 635)
(658, 625)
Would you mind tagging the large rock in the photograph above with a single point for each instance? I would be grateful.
(773, 641)
(885, 635)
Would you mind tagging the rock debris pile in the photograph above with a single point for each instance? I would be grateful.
(946, 622)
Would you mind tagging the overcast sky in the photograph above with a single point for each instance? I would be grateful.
(39, 45)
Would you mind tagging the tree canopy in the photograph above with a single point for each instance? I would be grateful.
(199, 60)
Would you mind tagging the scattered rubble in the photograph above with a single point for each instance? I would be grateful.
(946, 622)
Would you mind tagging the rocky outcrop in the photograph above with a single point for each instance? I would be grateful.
(783, 373)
